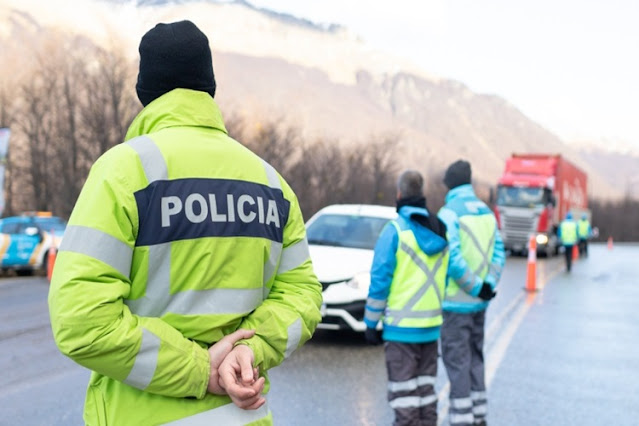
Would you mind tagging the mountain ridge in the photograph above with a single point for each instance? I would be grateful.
(342, 90)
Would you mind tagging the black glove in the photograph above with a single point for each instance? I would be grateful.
(486, 293)
(373, 336)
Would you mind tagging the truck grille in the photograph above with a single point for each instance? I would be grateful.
(516, 230)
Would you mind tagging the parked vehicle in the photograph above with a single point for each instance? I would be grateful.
(341, 241)
(26, 239)
(533, 195)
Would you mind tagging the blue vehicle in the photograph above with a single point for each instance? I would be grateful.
(25, 241)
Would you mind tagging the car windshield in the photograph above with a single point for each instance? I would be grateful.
(51, 224)
(520, 197)
(345, 231)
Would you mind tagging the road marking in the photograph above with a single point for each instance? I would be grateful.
(498, 350)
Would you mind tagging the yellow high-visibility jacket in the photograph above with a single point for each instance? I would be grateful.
(179, 237)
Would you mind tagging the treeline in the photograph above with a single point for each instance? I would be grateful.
(75, 101)
(72, 104)
(69, 107)
(616, 219)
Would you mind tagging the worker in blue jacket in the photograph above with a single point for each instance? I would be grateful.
(408, 279)
(477, 258)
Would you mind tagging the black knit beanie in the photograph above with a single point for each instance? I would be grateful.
(457, 174)
(172, 56)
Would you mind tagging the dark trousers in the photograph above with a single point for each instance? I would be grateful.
(463, 356)
(412, 372)
(568, 255)
(583, 248)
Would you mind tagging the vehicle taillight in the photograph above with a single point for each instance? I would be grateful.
(496, 211)
(543, 221)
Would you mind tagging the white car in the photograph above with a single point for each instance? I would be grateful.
(341, 241)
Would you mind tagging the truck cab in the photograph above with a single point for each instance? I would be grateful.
(534, 193)
(523, 211)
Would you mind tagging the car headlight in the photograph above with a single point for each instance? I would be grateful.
(542, 239)
(360, 281)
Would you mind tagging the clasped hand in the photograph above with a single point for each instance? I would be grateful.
(232, 371)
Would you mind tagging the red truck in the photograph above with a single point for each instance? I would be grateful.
(533, 195)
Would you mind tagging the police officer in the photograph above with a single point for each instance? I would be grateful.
(584, 231)
(184, 273)
(408, 277)
(477, 258)
(568, 236)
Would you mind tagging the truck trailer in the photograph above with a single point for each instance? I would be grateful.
(533, 196)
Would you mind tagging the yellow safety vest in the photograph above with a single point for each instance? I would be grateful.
(180, 236)
(568, 232)
(417, 288)
(477, 235)
(582, 228)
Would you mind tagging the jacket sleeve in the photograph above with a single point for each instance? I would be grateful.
(382, 270)
(91, 323)
(290, 313)
(458, 269)
(497, 262)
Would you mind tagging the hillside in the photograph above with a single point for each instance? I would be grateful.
(320, 79)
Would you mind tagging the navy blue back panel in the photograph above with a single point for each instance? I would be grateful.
(193, 208)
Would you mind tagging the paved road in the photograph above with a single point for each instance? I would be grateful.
(565, 355)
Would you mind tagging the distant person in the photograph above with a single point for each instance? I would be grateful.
(584, 232)
(477, 258)
(568, 236)
(184, 273)
(408, 277)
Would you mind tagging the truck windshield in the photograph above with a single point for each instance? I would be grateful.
(520, 197)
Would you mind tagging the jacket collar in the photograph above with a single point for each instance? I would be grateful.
(460, 191)
(179, 107)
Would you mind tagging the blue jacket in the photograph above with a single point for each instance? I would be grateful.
(383, 268)
(462, 201)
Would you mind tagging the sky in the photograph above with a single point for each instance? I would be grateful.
(570, 65)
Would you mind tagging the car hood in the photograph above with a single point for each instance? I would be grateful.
(334, 264)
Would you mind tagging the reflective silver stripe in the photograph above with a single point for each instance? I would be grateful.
(466, 281)
(98, 245)
(461, 403)
(455, 418)
(412, 384)
(271, 264)
(272, 176)
(157, 295)
(485, 262)
(481, 409)
(201, 302)
(293, 256)
(227, 415)
(375, 303)
(294, 333)
(407, 311)
(151, 157)
(413, 401)
(475, 395)
(146, 361)
(372, 315)
(275, 253)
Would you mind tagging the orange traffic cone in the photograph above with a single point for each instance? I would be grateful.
(53, 251)
(610, 243)
(575, 252)
(531, 279)
(50, 262)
